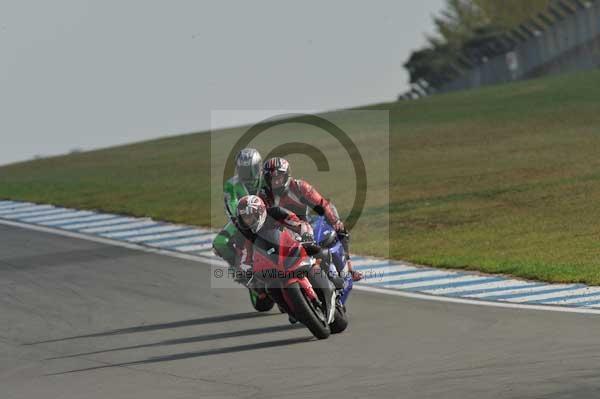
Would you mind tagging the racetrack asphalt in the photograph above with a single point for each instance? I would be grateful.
(81, 319)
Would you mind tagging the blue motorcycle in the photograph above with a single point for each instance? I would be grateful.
(333, 254)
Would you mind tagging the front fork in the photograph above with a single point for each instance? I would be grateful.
(326, 294)
(348, 283)
(305, 286)
(317, 279)
(344, 275)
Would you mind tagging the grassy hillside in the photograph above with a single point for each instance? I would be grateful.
(504, 179)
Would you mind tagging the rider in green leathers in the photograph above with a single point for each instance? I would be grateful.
(246, 181)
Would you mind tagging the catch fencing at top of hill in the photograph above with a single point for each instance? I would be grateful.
(564, 38)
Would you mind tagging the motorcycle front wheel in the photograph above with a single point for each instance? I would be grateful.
(307, 313)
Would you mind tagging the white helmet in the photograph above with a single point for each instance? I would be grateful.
(251, 212)
(248, 169)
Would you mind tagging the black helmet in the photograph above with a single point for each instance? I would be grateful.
(277, 175)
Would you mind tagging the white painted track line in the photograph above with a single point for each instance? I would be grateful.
(571, 301)
(174, 234)
(119, 227)
(62, 216)
(21, 208)
(377, 275)
(484, 286)
(540, 297)
(140, 230)
(194, 248)
(79, 226)
(416, 274)
(41, 212)
(91, 218)
(180, 241)
(467, 301)
(464, 278)
(523, 291)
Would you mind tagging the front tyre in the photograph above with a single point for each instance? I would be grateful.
(307, 313)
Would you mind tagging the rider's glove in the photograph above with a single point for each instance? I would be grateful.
(339, 227)
(246, 267)
(306, 229)
(241, 273)
(310, 246)
(307, 237)
(356, 275)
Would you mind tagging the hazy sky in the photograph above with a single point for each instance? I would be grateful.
(93, 73)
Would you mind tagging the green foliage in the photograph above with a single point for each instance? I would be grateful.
(458, 21)
(508, 14)
(464, 29)
(431, 65)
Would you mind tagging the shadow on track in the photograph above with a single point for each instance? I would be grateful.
(162, 326)
(190, 355)
(71, 257)
(189, 340)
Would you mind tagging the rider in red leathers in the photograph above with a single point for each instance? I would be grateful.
(251, 215)
(297, 196)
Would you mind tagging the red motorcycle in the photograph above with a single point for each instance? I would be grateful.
(288, 270)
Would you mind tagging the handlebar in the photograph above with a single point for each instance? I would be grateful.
(311, 247)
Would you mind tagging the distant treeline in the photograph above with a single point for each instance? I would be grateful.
(467, 31)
